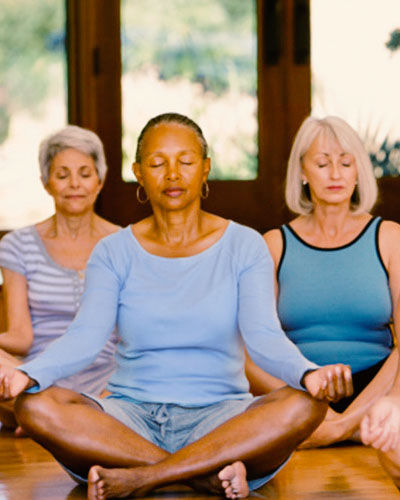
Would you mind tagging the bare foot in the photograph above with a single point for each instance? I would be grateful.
(233, 480)
(114, 483)
(19, 432)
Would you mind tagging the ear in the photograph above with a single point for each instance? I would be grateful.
(206, 168)
(100, 186)
(46, 186)
(137, 171)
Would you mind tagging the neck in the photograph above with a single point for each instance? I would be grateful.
(330, 220)
(73, 226)
(177, 227)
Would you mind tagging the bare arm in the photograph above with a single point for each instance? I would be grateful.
(18, 337)
(260, 381)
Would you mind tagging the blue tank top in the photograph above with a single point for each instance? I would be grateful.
(335, 303)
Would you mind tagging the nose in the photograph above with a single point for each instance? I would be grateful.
(173, 170)
(74, 180)
(335, 171)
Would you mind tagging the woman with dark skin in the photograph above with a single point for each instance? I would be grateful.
(187, 289)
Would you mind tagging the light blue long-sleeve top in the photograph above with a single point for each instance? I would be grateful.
(182, 321)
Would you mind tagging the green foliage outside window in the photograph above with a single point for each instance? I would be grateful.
(206, 51)
(30, 41)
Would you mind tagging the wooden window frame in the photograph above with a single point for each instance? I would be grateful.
(94, 80)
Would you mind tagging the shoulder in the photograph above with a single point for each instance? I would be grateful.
(389, 236)
(17, 248)
(245, 235)
(245, 244)
(113, 253)
(274, 241)
(17, 238)
(114, 241)
(389, 228)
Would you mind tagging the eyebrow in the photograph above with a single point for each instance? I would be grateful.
(69, 168)
(341, 154)
(184, 151)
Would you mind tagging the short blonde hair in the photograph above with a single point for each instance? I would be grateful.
(297, 198)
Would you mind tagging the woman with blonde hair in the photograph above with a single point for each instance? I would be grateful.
(337, 271)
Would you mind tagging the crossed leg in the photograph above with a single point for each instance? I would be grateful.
(82, 437)
(342, 426)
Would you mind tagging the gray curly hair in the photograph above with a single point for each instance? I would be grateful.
(71, 137)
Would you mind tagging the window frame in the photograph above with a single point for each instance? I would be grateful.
(94, 81)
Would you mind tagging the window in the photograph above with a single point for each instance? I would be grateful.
(32, 103)
(356, 72)
(199, 59)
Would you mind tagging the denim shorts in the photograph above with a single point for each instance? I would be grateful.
(170, 426)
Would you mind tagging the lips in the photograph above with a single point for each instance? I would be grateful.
(173, 192)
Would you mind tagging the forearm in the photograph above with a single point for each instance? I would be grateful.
(260, 381)
(395, 390)
(15, 343)
(376, 389)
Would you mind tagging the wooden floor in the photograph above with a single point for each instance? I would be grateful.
(28, 472)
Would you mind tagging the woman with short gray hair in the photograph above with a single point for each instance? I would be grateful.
(72, 137)
(43, 265)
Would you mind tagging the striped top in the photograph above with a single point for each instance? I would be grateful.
(54, 294)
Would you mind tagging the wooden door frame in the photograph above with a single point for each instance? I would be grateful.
(95, 102)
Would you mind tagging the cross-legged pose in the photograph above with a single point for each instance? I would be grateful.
(187, 290)
(43, 265)
(336, 256)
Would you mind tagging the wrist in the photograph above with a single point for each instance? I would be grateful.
(303, 378)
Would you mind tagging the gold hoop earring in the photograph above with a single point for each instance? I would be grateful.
(139, 199)
(205, 190)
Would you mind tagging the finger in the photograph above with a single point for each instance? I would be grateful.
(380, 439)
(328, 385)
(6, 383)
(364, 430)
(348, 381)
(339, 382)
(387, 445)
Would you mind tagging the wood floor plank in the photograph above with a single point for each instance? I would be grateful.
(28, 472)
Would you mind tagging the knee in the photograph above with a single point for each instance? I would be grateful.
(391, 463)
(32, 411)
(305, 411)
